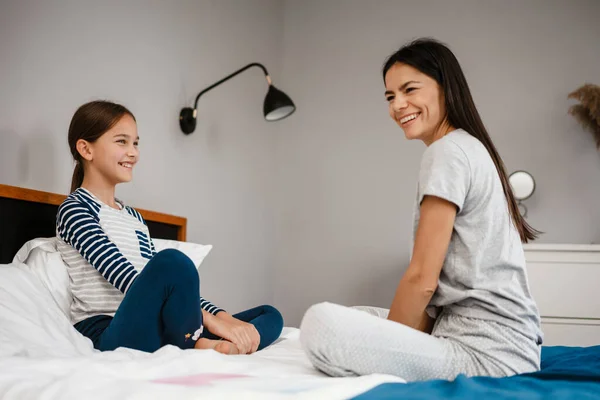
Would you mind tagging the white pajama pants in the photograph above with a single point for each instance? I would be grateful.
(342, 341)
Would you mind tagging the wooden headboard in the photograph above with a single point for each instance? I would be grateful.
(27, 214)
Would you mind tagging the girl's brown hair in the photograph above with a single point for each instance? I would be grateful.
(90, 122)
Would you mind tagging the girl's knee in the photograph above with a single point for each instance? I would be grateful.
(172, 262)
(270, 310)
(273, 314)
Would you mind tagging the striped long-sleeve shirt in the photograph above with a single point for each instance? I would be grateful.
(104, 249)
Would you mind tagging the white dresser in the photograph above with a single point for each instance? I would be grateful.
(565, 282)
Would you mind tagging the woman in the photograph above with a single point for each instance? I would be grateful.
(463, 306)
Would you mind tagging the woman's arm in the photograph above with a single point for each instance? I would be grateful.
(419, 283)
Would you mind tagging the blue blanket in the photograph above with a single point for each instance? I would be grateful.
(566, 373)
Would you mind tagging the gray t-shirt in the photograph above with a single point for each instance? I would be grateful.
(484, 274)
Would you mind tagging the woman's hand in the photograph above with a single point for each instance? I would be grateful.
(242, 334)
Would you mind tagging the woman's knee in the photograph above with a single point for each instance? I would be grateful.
(320, 312)
(318, 327)
(324, 335)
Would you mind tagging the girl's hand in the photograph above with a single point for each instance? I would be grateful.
(242, 334)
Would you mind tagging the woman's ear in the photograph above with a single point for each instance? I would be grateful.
(84, 149)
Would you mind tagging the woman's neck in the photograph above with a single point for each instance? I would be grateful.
(442, 130)
(104, 191)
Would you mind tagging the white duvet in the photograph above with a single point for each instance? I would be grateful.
(43, 357)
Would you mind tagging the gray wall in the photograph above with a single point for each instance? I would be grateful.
(347, 175)
(318, 206)
(155, 56)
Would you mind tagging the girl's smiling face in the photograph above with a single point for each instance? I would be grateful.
(115, 153)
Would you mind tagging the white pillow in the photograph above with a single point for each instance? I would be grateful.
(196, 252)
(41, 257)
(31, 323)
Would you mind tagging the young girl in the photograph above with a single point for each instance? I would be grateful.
(125, 294)
(463, 306)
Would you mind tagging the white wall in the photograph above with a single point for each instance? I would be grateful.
(347, 176)
(154, 57)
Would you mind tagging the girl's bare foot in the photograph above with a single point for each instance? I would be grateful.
(221, 346)
(225, 347)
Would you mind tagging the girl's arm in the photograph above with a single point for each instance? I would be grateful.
(209, 307)
(244, 335)
(419, 283)
(79, 227)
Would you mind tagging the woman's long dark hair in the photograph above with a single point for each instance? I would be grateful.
(89, 122)
(437, 61)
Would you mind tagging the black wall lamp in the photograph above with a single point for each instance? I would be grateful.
(277, 104)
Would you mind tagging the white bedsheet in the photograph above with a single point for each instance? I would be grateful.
(43, 357)
(278, 372)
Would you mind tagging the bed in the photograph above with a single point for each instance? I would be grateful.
(43, 356)
(568, 373)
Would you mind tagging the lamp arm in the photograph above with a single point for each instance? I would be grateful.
(228, 77)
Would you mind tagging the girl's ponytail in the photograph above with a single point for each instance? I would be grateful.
(77, 179)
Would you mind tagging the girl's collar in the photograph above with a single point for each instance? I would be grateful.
(119, 203)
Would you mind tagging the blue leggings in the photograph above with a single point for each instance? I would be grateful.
(163, 307)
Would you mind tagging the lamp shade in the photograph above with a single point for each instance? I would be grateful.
(277, 105)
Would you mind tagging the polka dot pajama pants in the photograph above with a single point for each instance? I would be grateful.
(342, 341)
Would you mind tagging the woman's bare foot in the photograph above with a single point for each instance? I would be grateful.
(221, 346)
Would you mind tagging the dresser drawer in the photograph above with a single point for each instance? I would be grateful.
(570, 332)
(565, 280)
